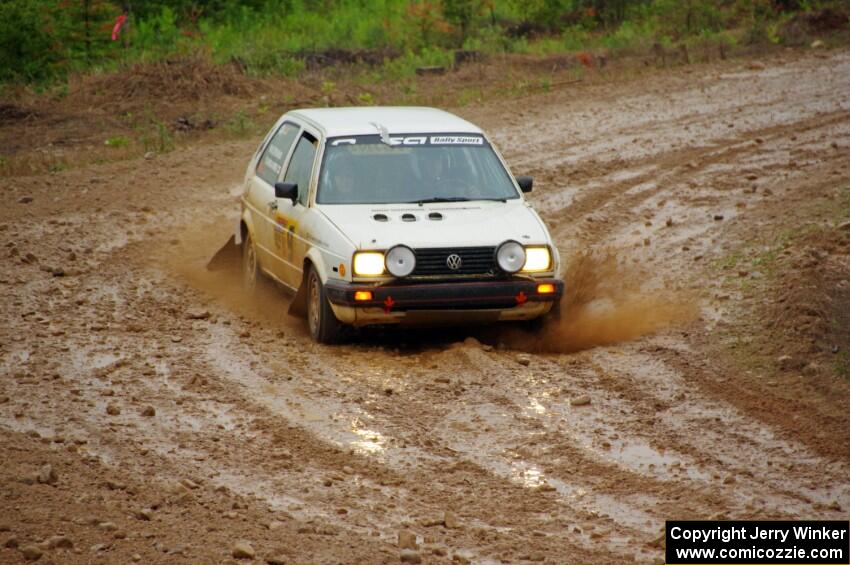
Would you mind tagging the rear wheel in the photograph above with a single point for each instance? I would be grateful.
(324, 327)
(250, 268)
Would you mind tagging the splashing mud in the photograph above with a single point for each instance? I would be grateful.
(187, 259)
(605, 302)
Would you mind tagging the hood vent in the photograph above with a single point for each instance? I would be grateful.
(436, 216)
(380, 218)
(408, 218)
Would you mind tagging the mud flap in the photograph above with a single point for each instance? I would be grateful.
(226, 258)
(298, 306)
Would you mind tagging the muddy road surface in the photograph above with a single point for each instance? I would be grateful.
(151, 412)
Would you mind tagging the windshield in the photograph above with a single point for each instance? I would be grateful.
(415, 168)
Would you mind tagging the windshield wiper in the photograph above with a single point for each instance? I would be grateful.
(440, 199)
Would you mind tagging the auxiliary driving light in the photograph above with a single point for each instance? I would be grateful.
(368, 263)
(546, 288)
(510, 256)
(400, 261)
(537, 259)
(363, 295)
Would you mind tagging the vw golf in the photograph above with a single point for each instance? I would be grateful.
(393, 216)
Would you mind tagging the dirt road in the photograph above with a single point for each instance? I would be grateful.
(150, 412)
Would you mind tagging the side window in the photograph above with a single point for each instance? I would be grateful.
(301, 166)
(269, 165)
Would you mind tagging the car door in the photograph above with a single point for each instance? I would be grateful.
(289, 241)
(260, 191)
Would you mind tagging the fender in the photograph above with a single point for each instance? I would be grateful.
(249, 225)
(298, 306)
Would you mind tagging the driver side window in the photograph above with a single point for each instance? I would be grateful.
(301, 166)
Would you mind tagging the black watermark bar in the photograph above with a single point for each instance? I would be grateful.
(758, 542)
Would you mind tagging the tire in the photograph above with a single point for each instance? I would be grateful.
(250, 264)
(323, 325)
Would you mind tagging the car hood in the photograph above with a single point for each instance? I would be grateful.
(462, 224)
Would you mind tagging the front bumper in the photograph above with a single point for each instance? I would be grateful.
(443, 302)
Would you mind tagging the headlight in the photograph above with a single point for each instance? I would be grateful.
(400, 261)
(368, 263)
(510, 256)
(537, 259)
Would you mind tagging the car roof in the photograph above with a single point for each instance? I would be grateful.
(335, 122)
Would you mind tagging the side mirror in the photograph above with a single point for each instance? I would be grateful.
(286, 190)
(525, 183)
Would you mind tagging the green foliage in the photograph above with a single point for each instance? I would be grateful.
(42, 40)
(118, 141)
(240, 125)
(28, 50)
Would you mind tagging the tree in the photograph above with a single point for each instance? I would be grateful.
(462, 14)
(28, 49)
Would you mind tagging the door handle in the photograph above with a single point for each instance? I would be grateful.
(272, 205)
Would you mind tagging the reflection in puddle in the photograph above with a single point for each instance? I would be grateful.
(370, 441)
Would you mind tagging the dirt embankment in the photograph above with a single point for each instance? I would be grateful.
(151, 413)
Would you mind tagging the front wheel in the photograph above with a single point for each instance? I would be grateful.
(324, 327)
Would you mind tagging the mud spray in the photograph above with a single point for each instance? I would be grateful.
(605, 301)
(187, 257)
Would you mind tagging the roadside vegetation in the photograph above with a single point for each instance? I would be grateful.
(47, 40)
(92, 81)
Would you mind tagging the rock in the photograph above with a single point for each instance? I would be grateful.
(107, 526)
(136, 557)
(524, 360)
(407, 540)
(57, 272)
(31, 553)
(148, 412)
(718, 217)
(834, 505)
(277, 560)
(785, 362)
(582, 400)
(11, 543)
(145, 514)
(755, 66)
(59, 542)
(845, 226)
(4, 527)
(450, 520)
(47, 475)
(669, 222)
(817, 44)
(275, 525)
(25, 199)
(198, 314)
(410, 556)
(243, 550)
(149, 155)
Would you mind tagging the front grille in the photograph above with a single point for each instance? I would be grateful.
(475, 262)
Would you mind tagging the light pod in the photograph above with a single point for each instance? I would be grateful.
(510, 256)
(400, 261)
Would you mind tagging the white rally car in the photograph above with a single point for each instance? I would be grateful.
(393, 215)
